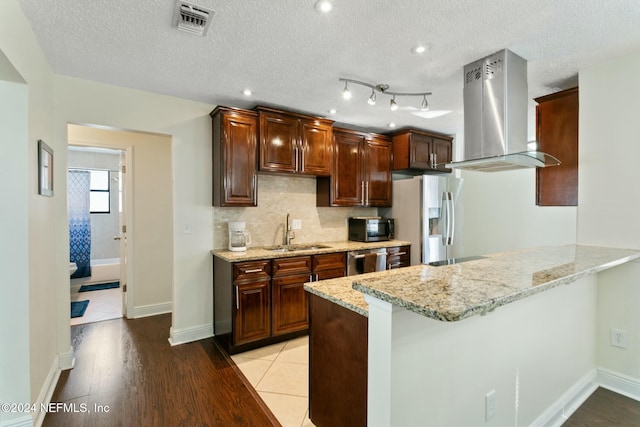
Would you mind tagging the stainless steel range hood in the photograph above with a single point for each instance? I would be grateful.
(495, 116)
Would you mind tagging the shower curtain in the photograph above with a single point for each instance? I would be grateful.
(79, 221)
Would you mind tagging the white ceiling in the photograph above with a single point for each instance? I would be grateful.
(291, 56)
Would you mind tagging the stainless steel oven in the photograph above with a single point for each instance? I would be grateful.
(366, 261)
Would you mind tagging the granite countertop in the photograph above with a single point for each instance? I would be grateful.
(455, 292)
(255, 253)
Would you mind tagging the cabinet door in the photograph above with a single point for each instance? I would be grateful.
(235, 149)
(442, 153)
(278, 142)
(557, 134)
(347, 179)
(252, 316)
(290, 304)
(377, 171)
(420, 151)
(316, 148)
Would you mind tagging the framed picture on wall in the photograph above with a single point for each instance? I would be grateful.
(45, 169)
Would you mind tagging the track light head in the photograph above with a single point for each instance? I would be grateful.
(346, 93)
(425, 104)
(393, 104)
(372, 98)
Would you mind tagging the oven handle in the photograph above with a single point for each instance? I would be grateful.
(359, 256)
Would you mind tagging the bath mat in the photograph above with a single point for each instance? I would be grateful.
(78, 308)
(99, 287)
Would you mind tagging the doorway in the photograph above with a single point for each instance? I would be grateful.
(96, 192)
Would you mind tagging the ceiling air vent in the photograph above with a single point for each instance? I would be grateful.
(192, 19)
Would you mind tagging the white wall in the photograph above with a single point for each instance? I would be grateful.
(14, 249)
(48, 309)
(530, 352)
(500, 214)
(610, 198)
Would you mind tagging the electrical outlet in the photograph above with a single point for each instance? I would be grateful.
(296, 224)
(618, 338)
(489, 405)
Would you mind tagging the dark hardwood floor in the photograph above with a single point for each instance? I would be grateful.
(606, 408)
(129, 368)
(127, 374)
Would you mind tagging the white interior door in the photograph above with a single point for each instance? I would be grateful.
(122, 188)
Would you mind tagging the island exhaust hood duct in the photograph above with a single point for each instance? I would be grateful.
(495, 116)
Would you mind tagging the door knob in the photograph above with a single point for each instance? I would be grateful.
(117, 237)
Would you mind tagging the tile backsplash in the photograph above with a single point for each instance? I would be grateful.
(277, 196)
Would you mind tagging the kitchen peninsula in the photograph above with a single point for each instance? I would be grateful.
(519, 326)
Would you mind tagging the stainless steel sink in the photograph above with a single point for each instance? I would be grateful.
(295, 248)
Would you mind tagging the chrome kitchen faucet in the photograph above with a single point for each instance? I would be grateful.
(288, 234)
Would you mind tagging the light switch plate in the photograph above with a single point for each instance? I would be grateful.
(296, 224)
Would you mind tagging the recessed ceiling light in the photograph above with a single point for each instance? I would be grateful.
(333, 111)
(324, 6)
(420, 49)
(392, 125)
(247, 92)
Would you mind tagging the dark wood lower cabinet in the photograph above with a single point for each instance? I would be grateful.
(253, 312)
(290, 304)
(338, 347)
(262, 302)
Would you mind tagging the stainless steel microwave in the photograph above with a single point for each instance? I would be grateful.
(370, 229)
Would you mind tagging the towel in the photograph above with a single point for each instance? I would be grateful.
(370, 262)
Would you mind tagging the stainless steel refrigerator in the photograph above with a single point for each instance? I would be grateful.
(427, 211)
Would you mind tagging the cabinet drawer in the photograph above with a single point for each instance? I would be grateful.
(329, 274)
(399, 256)
(329, 261)
(284, 266)
(251, 270)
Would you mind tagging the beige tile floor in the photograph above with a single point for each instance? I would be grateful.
(280, 375)
(103, 305)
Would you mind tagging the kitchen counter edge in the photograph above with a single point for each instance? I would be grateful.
(258, 253)
(391, 286)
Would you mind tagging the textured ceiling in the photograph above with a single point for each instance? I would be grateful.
(291, 56)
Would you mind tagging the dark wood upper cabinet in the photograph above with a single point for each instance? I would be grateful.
(316, 147)
(418, 152)
(377, 170)
(235, 134)
(361, 171)
(294, 143)
(557, 134)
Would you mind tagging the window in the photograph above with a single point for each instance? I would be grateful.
(99, 196)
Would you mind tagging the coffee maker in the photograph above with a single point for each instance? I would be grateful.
(239, 237)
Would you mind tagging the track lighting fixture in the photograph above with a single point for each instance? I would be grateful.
(383, 88)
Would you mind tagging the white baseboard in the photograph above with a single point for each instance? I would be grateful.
(49, 386)
(183, 336)
(619, 383)
(567, 404)
(151, 310)
(24, 421)
(66, 360)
